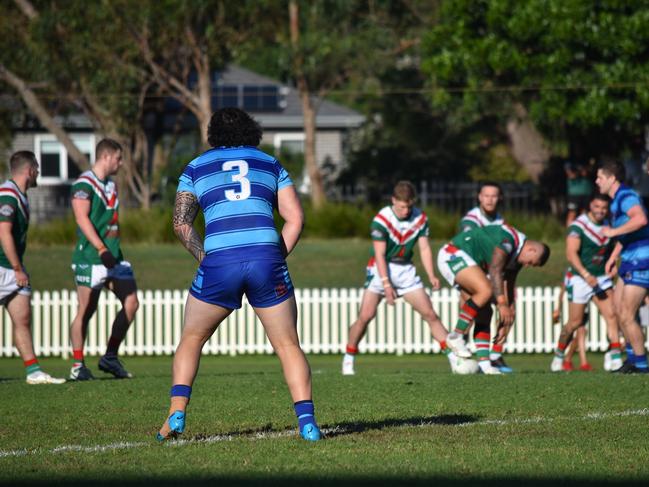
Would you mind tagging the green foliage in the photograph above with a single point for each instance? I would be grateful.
(577, 66)
(498, 165)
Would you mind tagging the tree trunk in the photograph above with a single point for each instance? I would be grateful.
(528, 145)
(46, 120)
(318, 196)
(205, 100)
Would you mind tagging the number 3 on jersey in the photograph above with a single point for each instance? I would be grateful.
(240, 178)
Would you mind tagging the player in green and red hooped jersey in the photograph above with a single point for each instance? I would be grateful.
(98, 261)
(587, 251)
(15, 292)
(395, 232)
(497, 251)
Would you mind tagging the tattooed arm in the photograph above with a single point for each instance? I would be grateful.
(496, 276)
(185, 211)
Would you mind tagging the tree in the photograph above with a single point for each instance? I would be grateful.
(575, 70)
(329, 42)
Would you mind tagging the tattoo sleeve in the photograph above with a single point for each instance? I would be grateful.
(185, 211)
(496, 269)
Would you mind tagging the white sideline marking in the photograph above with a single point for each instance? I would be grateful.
(127, 445)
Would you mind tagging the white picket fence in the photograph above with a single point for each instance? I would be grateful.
(324, 318)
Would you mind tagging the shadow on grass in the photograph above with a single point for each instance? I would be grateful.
(337, 481)
(335, 430)
(348, 428)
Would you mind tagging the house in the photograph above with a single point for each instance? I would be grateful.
(274, 105)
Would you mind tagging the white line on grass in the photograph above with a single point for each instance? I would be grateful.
(127, 445)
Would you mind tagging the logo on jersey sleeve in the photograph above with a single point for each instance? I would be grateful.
(507, 246)
(81, 194)
(7, 210)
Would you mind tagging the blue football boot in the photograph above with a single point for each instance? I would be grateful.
(311, 432)
(176, 423)
(500, 364)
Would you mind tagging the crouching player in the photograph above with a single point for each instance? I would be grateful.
(499, 252)
(390, 272)
(587, 251)
(484, 215)
(238, 187)
(15, 292)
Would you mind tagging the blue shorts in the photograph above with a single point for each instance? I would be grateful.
(630, 274)
(264, 282)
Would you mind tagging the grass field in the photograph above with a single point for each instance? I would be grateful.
(400, 420)
(315, 263)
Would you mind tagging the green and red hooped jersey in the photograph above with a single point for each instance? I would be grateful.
(400, 236)
(14, 208)
(104, 216)
(594, 248)
(480, 243)
(474, 218)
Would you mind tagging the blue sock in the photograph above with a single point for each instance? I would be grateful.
(304, 411)
(181, 390)
(641, 361)
(629, 353)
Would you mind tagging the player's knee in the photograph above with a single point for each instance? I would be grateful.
(131, 304)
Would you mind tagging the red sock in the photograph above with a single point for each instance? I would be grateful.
(351, 350)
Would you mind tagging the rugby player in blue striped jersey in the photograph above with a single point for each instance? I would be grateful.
(238, 187)
(629, 227)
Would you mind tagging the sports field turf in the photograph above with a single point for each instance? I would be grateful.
(400, 420)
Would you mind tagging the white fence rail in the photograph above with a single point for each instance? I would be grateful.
(324, 318)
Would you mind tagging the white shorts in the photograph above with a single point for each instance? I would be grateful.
(9, 286)
(579, 292)
(451, 260)
(403, 278)
(96, 276)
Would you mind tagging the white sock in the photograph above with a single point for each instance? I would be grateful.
(349, 357)
(484, 364)
(495, 355)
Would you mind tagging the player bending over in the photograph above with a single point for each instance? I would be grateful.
(98, 262)
(483, 215)
(587, 251)
(395, 231)
(15, 292)
(499, 252)
(238, 187)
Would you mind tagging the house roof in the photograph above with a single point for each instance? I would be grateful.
(330, 114)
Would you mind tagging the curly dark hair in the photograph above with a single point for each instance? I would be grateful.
(232, 127)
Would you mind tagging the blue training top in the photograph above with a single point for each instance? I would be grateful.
(237, 190)
(635, 245)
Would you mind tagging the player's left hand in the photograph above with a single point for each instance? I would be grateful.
(434, 282)
(608, 232)
(610, 268)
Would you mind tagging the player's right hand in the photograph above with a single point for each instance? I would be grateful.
(107, 259)
(22, 279)
(506, 314)
(390, 295)
(556, 315)
(591, 281)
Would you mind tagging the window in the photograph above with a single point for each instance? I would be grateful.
(56, 164)
(289, 142)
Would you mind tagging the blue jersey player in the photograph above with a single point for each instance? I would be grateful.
(238, 187)
(629, 228)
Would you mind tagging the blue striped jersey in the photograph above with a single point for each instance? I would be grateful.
(236, 188)
(635, 245)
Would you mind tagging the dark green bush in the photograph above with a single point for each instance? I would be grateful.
(334, 220)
